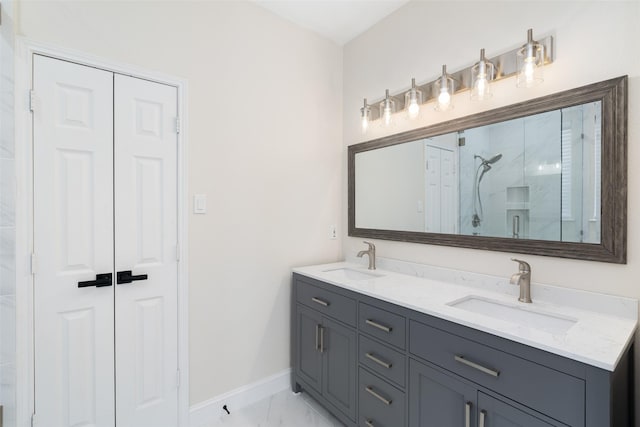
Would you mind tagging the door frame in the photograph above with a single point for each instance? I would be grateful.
(25, 357)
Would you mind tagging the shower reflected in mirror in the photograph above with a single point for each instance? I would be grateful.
(485, 165)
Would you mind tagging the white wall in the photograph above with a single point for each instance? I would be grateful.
(264, 145)
(595, 41)
(389, 185)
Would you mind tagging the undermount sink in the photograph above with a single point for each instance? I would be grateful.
(352, 274)
(520, 315)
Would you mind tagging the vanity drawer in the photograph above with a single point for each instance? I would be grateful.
(382, 360)
(380, 403)
(551, 392)
(330, 303)
(384, 325)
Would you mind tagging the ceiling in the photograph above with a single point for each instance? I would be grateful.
(337, 20)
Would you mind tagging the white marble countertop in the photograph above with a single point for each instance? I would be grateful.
(604, 324)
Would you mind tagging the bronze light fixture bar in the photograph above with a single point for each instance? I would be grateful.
(505, 66)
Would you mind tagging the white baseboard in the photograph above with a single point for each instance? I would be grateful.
(205, 413)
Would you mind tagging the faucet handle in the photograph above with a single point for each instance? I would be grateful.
(524, 266)
(371, 245)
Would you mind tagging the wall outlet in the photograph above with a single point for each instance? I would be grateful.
(333, 232)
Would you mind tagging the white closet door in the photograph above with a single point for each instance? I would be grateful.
(73, 242)
(146, 240)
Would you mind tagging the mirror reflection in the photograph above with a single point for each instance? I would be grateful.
(535, 177)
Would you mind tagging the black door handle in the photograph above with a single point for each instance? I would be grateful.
(101, 280)
(126, 277)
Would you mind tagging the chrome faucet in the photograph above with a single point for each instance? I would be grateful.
(372, 255)
(523, 279)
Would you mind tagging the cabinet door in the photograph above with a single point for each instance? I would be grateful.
(437, 399)
(338, 346)
(496, 413)
(309, 357)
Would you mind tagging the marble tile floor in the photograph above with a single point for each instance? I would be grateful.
(283, 409)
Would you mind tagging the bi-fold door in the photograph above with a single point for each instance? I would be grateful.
(105, 241)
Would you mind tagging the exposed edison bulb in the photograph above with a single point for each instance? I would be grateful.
(387, 108)
(482, 74)
(444, 87)
(365, 114)
(365, 124)
(413, 99)
(386, 115)
(414, 109)
(529, 62)
(444, 99)
(529, 69)
(481, 85)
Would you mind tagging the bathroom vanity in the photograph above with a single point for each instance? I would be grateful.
(383, 349)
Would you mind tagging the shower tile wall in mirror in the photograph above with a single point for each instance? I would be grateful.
(535, 177)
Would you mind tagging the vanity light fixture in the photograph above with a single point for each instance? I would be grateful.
(365, 115)
(529, 61)
(444, 88)
(387, 108)
(525, 63)
(412, 100)
(481, 75)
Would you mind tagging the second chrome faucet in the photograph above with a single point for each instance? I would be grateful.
(372, 255)
(523, 279)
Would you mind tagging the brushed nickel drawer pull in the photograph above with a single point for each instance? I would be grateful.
(483, 414)
(473, 365)
(378, 325)
(373, 393)
(467, 414)
(380, 362)
(369, 423)
(319, 301)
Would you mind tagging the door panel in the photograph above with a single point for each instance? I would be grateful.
(437, 399)
(146, 242)
(339, 366)
(309, 363)
(73, 240)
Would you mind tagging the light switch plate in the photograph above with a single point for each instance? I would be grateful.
(200, 203)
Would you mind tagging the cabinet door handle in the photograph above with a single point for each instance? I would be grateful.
(380, 362)
(319, 301)
(483, 414)
(317, 337)
(373, 393)
(473, 365)
(369, 423)
(321, 339)
(467, 414)
(378, 325)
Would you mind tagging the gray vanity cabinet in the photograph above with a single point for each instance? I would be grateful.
(325, 350)
(372, 363)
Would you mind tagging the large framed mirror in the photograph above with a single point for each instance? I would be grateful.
(546, 177)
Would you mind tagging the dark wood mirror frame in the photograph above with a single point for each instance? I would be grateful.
(613, 245)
